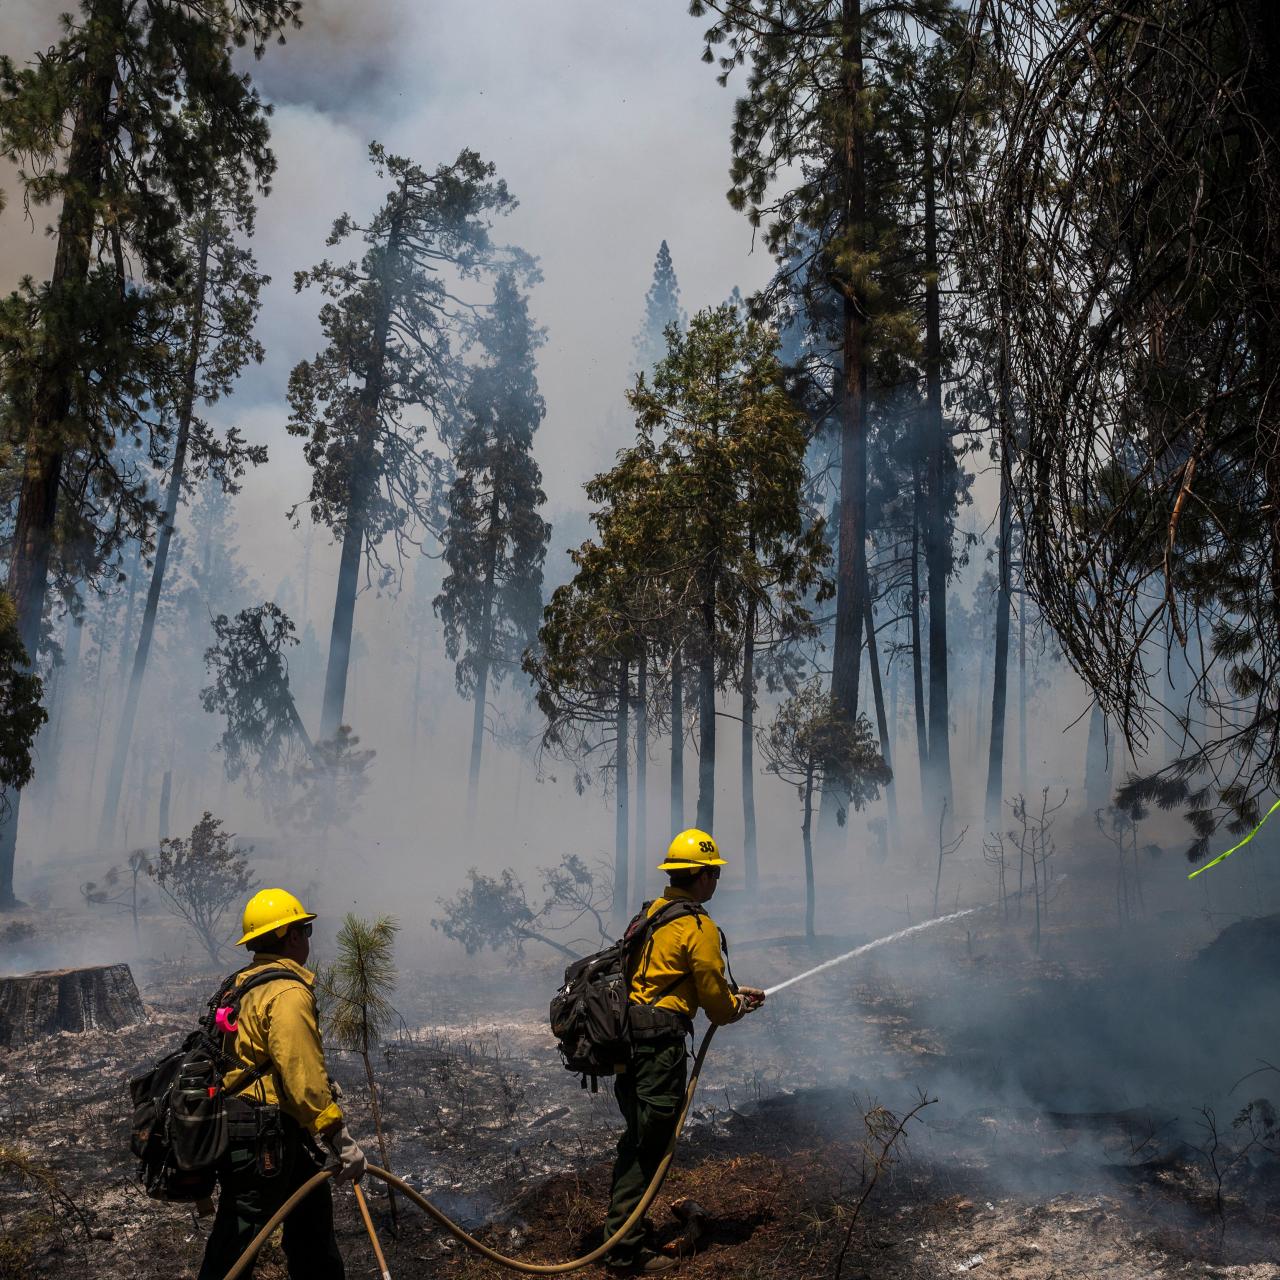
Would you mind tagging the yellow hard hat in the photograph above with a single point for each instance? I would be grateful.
(272, 910)
(691, 851)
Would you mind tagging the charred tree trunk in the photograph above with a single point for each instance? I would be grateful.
(707, 708)
(36, 1005)
(620, 789)
(846, 658)
(877, 689)
(360, 486)
(1022, 680)
(677, 742)
(484, 659)
(937, 543)
(640, 864)
(917, 657)
(750, 861)
(806, 832)
(166, 795)
(1000, 680)
(124, 729)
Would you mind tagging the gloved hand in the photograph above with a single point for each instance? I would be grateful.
(753, 996)
(348, 1155)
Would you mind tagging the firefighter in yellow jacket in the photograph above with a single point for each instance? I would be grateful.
(279, 1123)
(679, 970)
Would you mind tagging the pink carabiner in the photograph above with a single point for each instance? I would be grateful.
(222, 1020)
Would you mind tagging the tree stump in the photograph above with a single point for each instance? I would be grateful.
(35, 1005)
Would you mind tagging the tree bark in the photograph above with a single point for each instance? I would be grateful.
(917, 656)
(485, 658)
(36, 1005)
(124, 729)
(707, 710)
(640, 863)
(806, 832)
(937, 545)
(846, 658)
(361, 482)
(750, 861)
(677, 742)
(1000, 676)
(620, 789)
(882, 721)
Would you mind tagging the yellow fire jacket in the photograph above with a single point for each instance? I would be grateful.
(278, 1024)
(688, 946)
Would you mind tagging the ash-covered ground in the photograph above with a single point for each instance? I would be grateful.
(1084, 1118)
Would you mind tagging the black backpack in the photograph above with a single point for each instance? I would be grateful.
(179, 1106)
(591, 1013)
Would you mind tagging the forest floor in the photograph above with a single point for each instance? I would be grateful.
(1078, 1095)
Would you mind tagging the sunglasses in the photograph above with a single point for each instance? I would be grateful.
(304, 929)
(713, 872)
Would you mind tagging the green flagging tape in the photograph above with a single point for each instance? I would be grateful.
(1223, 856)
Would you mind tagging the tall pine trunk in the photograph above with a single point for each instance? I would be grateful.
(937, 547)
(750, 861)
(359, 489)
(707, 707)
(620, 787)
(32, 538)
(124, 729)
(640, 863)
(677, 742)
(806, 832)
(917, 656)
(1004, 410)
(1022, 680)
(882, 721)
(995, 755)
(484, 658)
(846, 658)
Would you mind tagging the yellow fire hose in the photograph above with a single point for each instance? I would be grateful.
(513, 1264)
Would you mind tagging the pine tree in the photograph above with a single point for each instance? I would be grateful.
(495, 540)
(731, 459)
(92, 126)
(214, 312)
(815, 109)
(661, 311)
(393, 328)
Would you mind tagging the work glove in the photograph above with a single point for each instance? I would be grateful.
(752, 996)
(348, 1155)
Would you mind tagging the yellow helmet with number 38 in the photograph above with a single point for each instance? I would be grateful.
(692, 850)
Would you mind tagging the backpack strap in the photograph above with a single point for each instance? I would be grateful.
(231, 993)
(667, 914)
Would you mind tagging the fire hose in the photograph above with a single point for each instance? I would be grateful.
(651, 1191)
(463, 1236)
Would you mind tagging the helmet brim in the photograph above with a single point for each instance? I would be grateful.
(274, 925)
(680, 864)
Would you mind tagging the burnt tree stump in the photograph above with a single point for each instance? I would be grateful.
(35, 1005)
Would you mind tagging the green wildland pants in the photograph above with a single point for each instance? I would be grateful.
(246, 1200)
(649, 1095)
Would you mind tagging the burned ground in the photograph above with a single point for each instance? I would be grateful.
(1067, 1138)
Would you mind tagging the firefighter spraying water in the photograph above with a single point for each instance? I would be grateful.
(264, 1098)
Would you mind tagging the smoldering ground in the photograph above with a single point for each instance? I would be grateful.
(1067, 1136)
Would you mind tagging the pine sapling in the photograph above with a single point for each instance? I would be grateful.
(355, 991)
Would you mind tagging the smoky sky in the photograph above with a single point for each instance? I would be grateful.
(613, 135)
